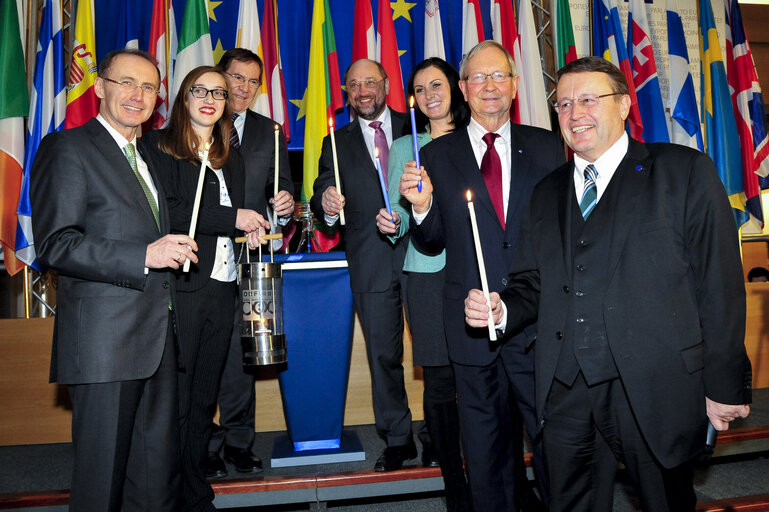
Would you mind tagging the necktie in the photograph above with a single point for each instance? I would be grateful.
(380, 142)
(130, 154)
(590, 195)
(234, 139)
(491, 169)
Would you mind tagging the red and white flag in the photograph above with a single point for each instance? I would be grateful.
(504, 31)
(433, 31)
(387, 55)
(532, 99)
(158, 48)
(472, 25)
(363, 35)
(273, 70)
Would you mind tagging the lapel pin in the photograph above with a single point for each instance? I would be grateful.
(520, 151)
(639, 168)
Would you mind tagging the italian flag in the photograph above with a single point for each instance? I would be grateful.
(194, 43)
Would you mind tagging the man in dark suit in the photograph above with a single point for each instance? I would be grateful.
(493, 380)
(375, 264)
(253, 135)
(630, 264)
(101, 221)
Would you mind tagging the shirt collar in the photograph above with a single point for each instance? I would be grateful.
(384, 117)
(476, 131)
(608, 162)
(121, 141)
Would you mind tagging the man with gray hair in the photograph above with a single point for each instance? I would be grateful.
(498, 163)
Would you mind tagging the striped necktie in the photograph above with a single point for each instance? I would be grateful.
(590, 195)
(234, 138)
(130, 153)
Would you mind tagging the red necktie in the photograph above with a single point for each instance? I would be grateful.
(491, 169)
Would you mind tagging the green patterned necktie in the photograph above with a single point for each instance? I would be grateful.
(130, 154)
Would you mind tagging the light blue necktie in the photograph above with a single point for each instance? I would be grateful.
(590, 195)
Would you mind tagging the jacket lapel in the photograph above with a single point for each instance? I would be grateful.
(467, 166)
(633, 173)
(564, 193)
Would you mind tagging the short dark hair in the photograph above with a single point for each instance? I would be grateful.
(240, 55)
(379, 66)
(597, 65)
(757, 273)
(460, 112)
(106, 62)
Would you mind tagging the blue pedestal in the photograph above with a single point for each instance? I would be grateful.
(318, 316)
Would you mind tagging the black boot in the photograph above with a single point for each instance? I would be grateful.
(443, 424)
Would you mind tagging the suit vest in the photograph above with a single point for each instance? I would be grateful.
(585, 346)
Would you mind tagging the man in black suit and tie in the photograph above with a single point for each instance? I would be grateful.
(629, 262)
(499, 163)
(254, 136)
(101, 221)
(375, 264)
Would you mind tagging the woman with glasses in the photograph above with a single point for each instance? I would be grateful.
(206, 296)
(434, 84)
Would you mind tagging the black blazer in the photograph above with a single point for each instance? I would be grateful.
(370, 254)
(451, 164)
(92, 224)
(180, 181)
(673, 299)
(258, 151)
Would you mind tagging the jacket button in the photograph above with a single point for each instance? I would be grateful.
(578, 294)
(504, 281)
(565, 289)
(580, 320)
(582, 243)
(165, 284)
(505, 245)
(559, 335)
(580, 267)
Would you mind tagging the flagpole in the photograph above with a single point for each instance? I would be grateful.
(26, 292)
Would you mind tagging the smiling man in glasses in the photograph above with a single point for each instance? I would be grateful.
(499, 163)
(375, 264)
(630, 264)
(253, 135)
(101, 221)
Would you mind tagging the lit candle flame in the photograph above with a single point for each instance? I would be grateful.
(331, 122)
(469, 196)
(376, 152)
(277, 127)
(411, 102)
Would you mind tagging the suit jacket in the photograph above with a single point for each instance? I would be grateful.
(92, 225)
(180, 181)
(258, 151)
(453, 170)
(370, 255)
(673, 298)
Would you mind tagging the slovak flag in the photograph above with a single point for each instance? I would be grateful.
(647, 84)
(609, 43)
(748, 107)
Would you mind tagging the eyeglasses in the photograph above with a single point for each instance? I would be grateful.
(201, 92)
(240, 79)
(129, 85)
(480, 78)
(565, 105)
(368, 84)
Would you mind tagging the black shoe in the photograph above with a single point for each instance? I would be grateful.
(429, 456)
(243, 460)
(393, 457)
(215, 467)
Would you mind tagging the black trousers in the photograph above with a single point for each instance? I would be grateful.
(587, 431)
(381, 317)
(126, 442)
(236, 398)
(495, 401)
(205, 326)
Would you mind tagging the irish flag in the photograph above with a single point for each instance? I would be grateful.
(14, 106)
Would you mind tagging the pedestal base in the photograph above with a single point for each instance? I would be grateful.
(284, 455)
